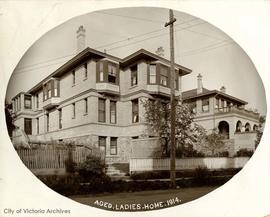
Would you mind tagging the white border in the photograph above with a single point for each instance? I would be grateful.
(247, 22)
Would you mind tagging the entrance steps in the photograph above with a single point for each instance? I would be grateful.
(117, 172)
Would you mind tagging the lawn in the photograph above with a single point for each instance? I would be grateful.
(143, 200)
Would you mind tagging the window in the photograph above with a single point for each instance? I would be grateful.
(113, 146)
(73, 110)
(48, 122)
(205, 105)
(101, 110)
(222, 103)
(135, 111)
(19, 103)
(56, 88)
(28, 126)
(60, 118)
(49, 90)
(101, 71)
(102, 144)
(111, 73)
(85, 105)
(37, 101)
(27, 102)
(164, 75)
(113, 112)
(134, 75)
(37, 120)
(102, 141)
(73, 77)
(85, 70)
(45, 95)
(152, 74)
(193, 107)
(217, 103)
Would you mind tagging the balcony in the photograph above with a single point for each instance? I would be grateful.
(107, 88)
(236, 110)
(51, 102)
(160, 90)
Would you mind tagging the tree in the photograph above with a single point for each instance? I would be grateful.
(187, 133)
(214, 141)
(9, 119)
(259, 131)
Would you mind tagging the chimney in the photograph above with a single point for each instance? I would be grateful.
(223, 89)
(80, 39)
(199, 84)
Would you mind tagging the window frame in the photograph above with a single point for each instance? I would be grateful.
(135, 110)
(30, 100)
(153, 73)
(162, 73)
(113, 145)
(101, 110)
(208, 105)
(73, 110)
(113, 104)
(60, 118)
(134, 75)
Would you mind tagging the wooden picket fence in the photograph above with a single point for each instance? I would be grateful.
(212, 163)
(46, 160)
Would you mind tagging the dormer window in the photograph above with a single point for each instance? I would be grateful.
(51, 89)
(27, 102)
(107, 72)
(152, 73)
(101, 73)
(111, 73)
(205, 105)
(164, 78)
(134, 75)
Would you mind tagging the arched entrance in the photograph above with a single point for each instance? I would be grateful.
(224, 129)
(238, 127)
(255, 127)
(247, 127)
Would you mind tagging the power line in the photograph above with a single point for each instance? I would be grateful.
(207, 48)
(156, 36)
(130, 17)
(106, 45)
(49, 60)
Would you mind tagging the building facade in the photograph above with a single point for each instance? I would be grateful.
(96, 99)
(215, 109)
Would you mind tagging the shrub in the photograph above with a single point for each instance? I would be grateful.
(92, 174)
(201, 176)
(244, 153)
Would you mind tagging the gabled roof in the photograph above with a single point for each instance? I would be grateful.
(89, 52)
(73, 62)
(192, 94)
(144, 54)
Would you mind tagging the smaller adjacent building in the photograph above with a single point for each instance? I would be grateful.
(215, 109)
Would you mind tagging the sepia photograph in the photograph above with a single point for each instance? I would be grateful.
(135, 109)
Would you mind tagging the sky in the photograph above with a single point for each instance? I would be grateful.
(199, 46)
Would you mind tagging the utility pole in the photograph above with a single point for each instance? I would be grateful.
(172, 82)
